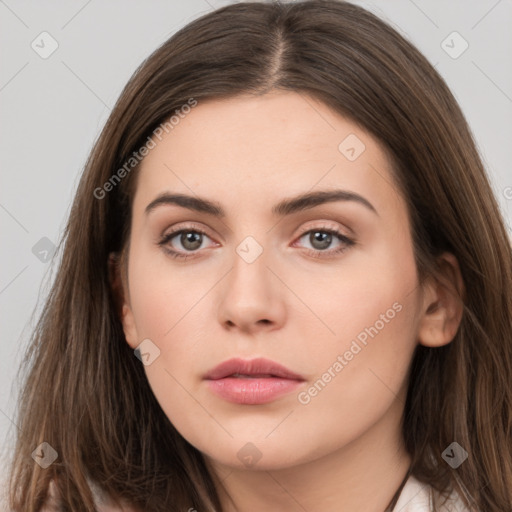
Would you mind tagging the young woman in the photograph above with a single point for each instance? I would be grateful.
(285, 286)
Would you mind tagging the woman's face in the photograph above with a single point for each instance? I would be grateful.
(341, 311)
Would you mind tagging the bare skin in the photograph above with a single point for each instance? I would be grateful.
(299, 302)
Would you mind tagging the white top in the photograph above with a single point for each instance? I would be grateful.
(415, 497)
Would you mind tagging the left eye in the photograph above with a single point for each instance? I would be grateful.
(322, 238)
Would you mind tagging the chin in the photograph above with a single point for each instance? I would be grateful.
(258, 454)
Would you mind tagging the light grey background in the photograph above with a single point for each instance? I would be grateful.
(53, 108)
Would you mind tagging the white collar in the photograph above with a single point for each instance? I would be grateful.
(416, 497)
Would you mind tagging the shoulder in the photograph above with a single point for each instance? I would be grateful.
(417, 496)
(51, 503)
(102, 504)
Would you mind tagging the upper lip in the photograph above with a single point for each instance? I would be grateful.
(259, 366)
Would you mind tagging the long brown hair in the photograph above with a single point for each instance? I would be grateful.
(85, 393)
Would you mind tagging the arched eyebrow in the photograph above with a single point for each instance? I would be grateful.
(285, 207)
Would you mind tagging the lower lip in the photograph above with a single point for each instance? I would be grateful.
(255, 391)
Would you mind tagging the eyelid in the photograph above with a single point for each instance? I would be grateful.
(190, 226)
(324, 224)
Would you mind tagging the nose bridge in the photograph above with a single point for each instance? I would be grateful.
(251, 293)
(255, 245)
(250, 265)
(251, 249)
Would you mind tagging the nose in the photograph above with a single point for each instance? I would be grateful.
(252, 296)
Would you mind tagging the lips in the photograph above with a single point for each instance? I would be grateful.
(254, 368)
(253, 382)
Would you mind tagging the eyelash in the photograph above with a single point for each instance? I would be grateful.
(316, 253)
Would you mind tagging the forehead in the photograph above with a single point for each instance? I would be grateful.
(249, 149)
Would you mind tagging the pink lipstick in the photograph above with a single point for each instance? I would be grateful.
(252, 382)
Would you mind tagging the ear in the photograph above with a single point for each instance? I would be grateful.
(443, 305)
(121, 298)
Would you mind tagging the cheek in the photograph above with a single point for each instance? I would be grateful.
(161, 294)
(168, 304)
(369, 312)
(367, 288)
(373, 310)
(165, 305)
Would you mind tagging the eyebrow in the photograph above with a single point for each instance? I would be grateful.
(283, 208)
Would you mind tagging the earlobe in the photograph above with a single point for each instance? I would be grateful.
(443, 304)
(123, 309)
